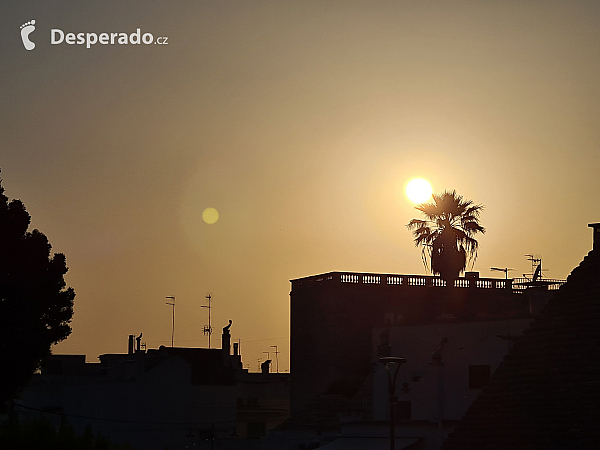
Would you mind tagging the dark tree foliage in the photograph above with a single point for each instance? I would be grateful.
(35, 305)
(446, 234)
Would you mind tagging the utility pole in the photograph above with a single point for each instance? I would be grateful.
(207, 328)
(276, 357)
(172, 297)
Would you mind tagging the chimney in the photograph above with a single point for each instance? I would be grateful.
(264, 367)
(235, 349)
(226, 340)
(139, 343)
(130, 347)
(596, 241)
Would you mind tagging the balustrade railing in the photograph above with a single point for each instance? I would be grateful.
(349, 278)
(520, 284)
(406, 281)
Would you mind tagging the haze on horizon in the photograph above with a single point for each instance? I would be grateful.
(300, 122)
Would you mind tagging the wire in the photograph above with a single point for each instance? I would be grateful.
(139, 422)
(267, 339)
(243, 341)
(106, 419)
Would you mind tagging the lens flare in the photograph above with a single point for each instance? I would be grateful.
(210, 215)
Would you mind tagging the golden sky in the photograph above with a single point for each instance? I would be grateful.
(300, 122)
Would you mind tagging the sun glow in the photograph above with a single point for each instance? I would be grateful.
(418, 190)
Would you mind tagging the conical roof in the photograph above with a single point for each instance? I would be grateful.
(546, 393)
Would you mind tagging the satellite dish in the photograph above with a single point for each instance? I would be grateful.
(537, 273)
(537, 278)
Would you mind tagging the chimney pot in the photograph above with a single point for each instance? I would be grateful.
(226, 339)
(264, 367)
(596, 238)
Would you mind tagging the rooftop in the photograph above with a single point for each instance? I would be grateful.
(399, 281)
(546, 392)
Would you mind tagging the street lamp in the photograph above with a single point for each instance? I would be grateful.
(387, 362)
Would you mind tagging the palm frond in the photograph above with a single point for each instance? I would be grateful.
(416, 223)
(449, 226)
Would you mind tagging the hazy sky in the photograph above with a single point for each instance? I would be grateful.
(300, 122)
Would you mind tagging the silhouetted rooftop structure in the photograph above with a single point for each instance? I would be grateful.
(158, 398)
(333, 314)
(546, 392)
(207, 365)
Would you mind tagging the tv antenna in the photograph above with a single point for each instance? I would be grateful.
(536, 268)
(535, 279)
(276, 357)
(172, 297)
(505, 270)
(207, 328)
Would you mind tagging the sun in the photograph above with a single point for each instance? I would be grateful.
(210, 215)
(418, 190)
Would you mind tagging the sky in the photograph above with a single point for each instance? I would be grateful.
(300, 122)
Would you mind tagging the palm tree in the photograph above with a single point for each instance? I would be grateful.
(446, 234)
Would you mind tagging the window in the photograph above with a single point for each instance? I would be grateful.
(479, 375)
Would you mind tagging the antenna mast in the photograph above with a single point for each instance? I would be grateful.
(276, 356)
(172, 297)
(505, 270)
(207, 328)
(536, 267)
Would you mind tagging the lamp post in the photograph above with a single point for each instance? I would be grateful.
(387, 362)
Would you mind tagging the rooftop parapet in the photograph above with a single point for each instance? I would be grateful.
(400, 281)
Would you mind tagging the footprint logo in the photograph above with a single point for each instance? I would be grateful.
(26, 29)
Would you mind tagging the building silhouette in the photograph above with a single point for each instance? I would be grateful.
(546, 392)
(333, 315)
(168, 397)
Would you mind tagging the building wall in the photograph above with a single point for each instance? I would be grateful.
(469, 344)
(150, 409)
(263, 403)
(332, 316)
(330, 341)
